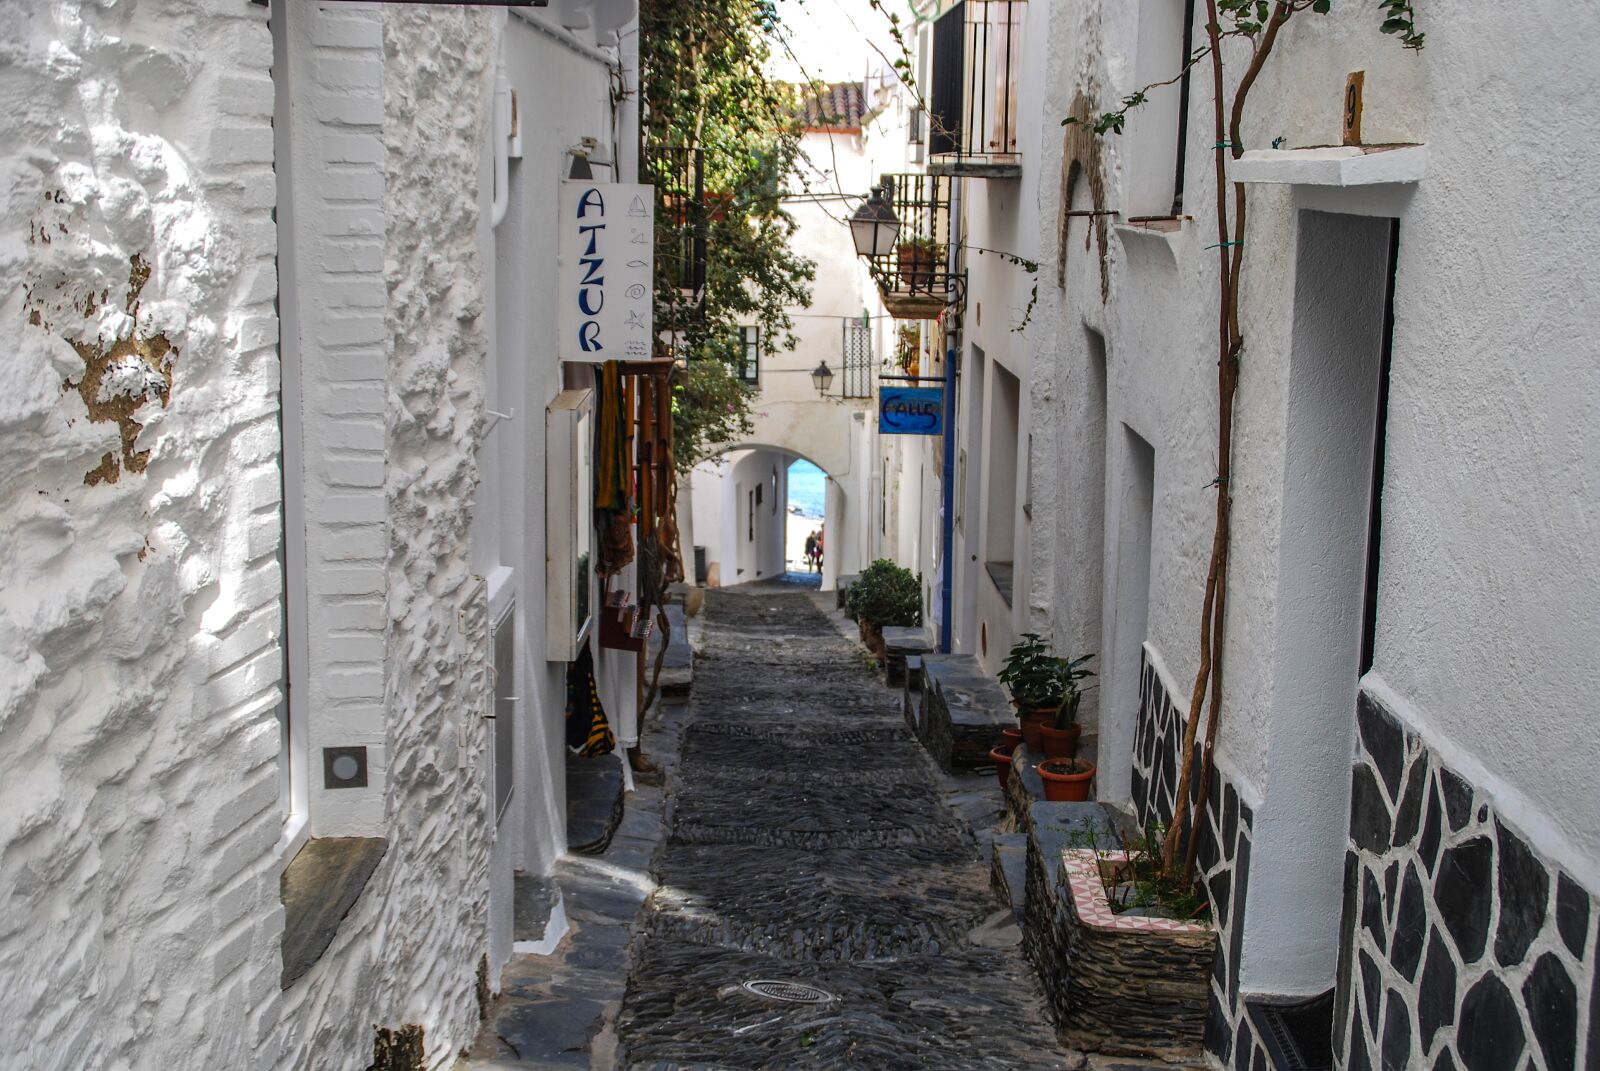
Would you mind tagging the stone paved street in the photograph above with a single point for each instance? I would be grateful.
(808, 841)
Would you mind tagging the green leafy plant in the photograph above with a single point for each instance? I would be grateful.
(1133, 878)
(886, 595)
(1032, 674)
(1072, 671)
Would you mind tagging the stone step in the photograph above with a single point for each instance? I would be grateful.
(538, 917)
(594, 801)
(1008, 870)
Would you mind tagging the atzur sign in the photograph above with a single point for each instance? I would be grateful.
(607, 250)
(910, 411)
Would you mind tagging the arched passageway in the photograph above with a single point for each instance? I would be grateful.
(746, 523)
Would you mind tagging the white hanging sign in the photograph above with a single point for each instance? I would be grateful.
(607, 253)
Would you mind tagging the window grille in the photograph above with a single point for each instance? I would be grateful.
(857, 345)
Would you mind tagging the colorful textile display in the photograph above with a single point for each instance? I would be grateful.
(588, 730)
(613, 474)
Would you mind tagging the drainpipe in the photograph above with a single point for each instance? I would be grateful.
(948, 521)
(500, 140)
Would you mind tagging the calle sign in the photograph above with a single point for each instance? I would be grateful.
(910, 411)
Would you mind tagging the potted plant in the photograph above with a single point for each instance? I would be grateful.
(1000, 755)
(1033, 677)
(1066, 780)
(1059, 736)
(917, 260)
(884, 595)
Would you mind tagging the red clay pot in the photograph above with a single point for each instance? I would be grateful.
(1000, 755)
(1061, 786)
(1011, 737)
(1031, 721)
(1059, 743)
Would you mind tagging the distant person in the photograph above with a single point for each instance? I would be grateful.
(811, 552)
(821, 535)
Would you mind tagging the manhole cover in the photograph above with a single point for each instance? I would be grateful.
(788, 992)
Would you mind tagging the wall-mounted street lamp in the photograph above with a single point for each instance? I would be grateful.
(822, 376)
(874, 226)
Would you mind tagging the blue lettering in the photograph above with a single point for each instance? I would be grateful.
(583, 301)
(584, 205)
(589, 337)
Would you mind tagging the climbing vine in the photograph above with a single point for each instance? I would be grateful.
(702, 86)
(1260, 22)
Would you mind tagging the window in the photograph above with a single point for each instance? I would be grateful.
(750, 354)
(503, 645)
(1155, 140)
(750, 517)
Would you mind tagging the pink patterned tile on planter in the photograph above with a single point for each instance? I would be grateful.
(1090, 905)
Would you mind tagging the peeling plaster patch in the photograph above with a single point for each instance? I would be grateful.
(1081, 154)
(120, 378)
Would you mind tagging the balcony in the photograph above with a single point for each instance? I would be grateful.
(683, 218)
(977, 47)
(914, 278)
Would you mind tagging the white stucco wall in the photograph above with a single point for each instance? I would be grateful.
(139, 612)
(1486, 577)
(144, 605)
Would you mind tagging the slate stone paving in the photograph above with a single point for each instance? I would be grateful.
(808, 841)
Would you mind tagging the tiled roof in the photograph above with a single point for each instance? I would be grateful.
(833, 106)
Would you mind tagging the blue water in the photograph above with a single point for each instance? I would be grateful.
(808, 489)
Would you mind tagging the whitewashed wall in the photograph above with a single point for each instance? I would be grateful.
(144, 600)
(139, 588)
(1486, 575)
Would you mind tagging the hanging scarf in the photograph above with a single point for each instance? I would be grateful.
(612, 474)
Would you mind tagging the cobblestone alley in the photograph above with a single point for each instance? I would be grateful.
(808, 842)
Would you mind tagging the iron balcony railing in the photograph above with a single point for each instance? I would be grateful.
(682, 223)
(976, 71)
(914, 277)
(856, 347)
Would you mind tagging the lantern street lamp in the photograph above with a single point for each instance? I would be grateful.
(822, 376)
(874, 226)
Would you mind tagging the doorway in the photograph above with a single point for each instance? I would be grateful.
(1343, 273)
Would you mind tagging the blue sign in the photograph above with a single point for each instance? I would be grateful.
(910, 411)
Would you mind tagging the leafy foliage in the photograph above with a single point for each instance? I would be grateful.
(703, 86)
(1038, 680)
(886, 595)
(1132, 876)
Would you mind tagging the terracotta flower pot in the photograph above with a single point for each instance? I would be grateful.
(1031, 721)
(1059, 743)
(1000, 755)
(1065, 780)
(1011, 737)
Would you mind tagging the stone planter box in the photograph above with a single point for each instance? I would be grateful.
(900, 644)
(1134, 985)
(962, 712)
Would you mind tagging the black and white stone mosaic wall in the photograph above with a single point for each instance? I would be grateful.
(1223, 855)
(1460, 946)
